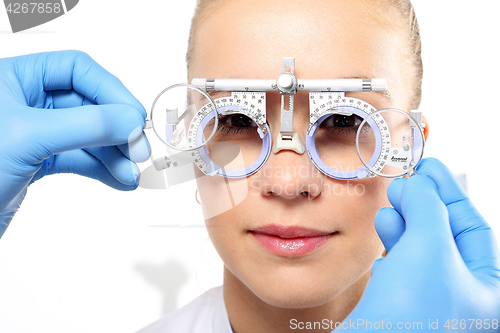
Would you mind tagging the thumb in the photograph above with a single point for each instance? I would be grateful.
(8, 212)
(424, 212)
(57, 130)
(375, 264)
(390, 226)
(473, 236)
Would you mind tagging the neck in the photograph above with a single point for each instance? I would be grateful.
(248, 313)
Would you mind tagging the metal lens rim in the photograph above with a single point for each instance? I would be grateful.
(370, 116)
(238, 173)
(313, 153)
(195, 88)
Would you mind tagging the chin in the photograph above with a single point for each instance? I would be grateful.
(295, 298)
(294, 288)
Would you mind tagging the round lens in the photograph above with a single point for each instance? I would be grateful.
(333, 150)
(176, 113)
(336, 140)
(239, 146)
(399, 143)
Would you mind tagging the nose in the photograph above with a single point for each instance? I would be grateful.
(290, 175)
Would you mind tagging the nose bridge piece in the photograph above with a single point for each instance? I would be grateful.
(286, 83)
(294, 143)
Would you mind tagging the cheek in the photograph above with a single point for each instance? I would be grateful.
(348, 205)
(355, 210)
(364, 209)
(219, 195)
(356, 201)
(225, 203)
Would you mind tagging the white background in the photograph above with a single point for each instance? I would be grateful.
(81, 257)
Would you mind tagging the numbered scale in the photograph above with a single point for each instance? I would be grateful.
(212, 158)
(334, 154)
(402, 142)
(347, 138)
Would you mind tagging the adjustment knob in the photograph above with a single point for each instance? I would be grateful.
(285, 82)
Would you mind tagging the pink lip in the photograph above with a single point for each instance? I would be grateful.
(290, 241)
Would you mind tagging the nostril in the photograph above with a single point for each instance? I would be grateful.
(289, 182)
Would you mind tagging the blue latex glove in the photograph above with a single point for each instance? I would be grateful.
(442, 268)
(61, 112)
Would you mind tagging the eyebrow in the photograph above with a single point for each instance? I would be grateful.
(215, 93)
(211, 93)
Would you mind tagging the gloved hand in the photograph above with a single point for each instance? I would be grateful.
(442, 268)
(61, 112)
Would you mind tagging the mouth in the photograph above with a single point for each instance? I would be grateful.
(290, 241)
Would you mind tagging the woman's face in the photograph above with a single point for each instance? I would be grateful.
(295, 237)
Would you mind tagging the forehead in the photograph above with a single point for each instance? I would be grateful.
(327, 38)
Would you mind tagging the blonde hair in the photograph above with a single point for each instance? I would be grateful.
(407, 11)
(404, 7)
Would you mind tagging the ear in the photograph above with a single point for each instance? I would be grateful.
(426, 128)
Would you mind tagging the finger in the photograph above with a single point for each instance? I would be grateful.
(423, 210)
(375, 265)
(449, 189)
(122, 169)
(8, 212)
(390, 226)
(75, 70)
(58, 130)
(394, 193)
(63, 99)
(82, 163)
(4, 222)
(474, 237)
(138, 150)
